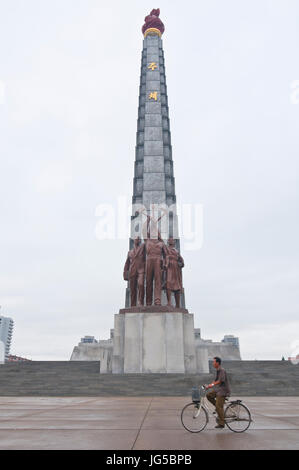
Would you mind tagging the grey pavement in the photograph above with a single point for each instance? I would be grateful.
(150, 423)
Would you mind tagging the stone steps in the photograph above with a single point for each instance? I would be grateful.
(83, 378)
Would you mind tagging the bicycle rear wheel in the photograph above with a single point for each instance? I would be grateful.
(237, 417)
(194, 417)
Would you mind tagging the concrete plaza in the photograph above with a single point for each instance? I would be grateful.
(150, 423)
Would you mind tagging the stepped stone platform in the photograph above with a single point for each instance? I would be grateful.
(80, 378)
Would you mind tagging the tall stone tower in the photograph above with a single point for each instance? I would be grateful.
(153, 180)
(156, 336)
(154, 183)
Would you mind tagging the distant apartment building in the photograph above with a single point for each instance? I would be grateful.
(88, 340)
(231, 339)
(6, 329)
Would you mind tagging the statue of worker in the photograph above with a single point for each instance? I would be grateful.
(134, 270)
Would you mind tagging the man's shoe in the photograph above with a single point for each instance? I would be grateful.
(219, 426)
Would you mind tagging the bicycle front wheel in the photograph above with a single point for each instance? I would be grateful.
(194, 417)
(237, 417)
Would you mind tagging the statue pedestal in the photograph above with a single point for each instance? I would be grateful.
(151, 341)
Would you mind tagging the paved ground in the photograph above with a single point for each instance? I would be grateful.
(138, 423)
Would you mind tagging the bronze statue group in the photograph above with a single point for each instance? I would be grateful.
(158, 264)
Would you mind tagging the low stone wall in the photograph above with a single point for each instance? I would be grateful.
(72, 378)
(226, 351)
(99, 352)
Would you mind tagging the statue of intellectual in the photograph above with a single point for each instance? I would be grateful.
(174, 264)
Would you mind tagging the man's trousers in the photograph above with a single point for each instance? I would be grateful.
(218, 402)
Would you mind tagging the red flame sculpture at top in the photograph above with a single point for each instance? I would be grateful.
(153, 21)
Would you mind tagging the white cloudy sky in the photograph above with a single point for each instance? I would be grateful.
(69, 79)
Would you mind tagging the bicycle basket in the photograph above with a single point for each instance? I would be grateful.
(195, 394)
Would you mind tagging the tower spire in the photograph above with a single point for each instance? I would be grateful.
(153, 177)
(153, 24)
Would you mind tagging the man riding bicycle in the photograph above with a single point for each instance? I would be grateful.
(221, 391)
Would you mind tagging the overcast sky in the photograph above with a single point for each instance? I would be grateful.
(69, 81)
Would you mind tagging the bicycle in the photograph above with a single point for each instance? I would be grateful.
(195, 415)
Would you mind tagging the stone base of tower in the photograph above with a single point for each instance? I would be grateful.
(154, 342)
